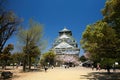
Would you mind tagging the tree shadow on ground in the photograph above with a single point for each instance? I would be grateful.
(15, 76)
(32, 70)
(101, 76)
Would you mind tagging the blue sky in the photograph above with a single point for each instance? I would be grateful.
(56, 14)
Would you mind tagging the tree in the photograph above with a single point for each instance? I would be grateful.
(5, 56)
(33, 52)
(82, 58)
(17, 58)
(31, 38)
(8, 25)
(48, 58)
(99, 40)
(111, 13)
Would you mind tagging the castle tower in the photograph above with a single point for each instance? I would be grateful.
(66, 47)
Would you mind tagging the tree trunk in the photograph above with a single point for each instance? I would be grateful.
(5, 64)
(29, 63)
(108, 71)
(24, 63)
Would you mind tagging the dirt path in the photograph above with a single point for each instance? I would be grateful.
(58, 73)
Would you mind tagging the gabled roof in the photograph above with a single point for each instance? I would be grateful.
(64, 30)
(63, 45)
(63, 36)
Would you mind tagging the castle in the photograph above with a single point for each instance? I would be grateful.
(66, 48)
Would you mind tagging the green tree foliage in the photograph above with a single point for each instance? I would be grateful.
(31, 38)
(5, 56)
(102, 39)
(48, 57)
(111, 14)
(17, 58)
(99, 40)
(33, 52)
(82, 58)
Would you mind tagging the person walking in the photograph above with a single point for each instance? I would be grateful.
(46, 68)
(92, 67)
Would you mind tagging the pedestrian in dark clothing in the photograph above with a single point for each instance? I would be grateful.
(108, 69)
(46, 68)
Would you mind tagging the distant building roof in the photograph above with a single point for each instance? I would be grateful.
(65, 29)
(63, 45)
(63, 36)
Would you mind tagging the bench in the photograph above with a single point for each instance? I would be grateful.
(6, 74)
